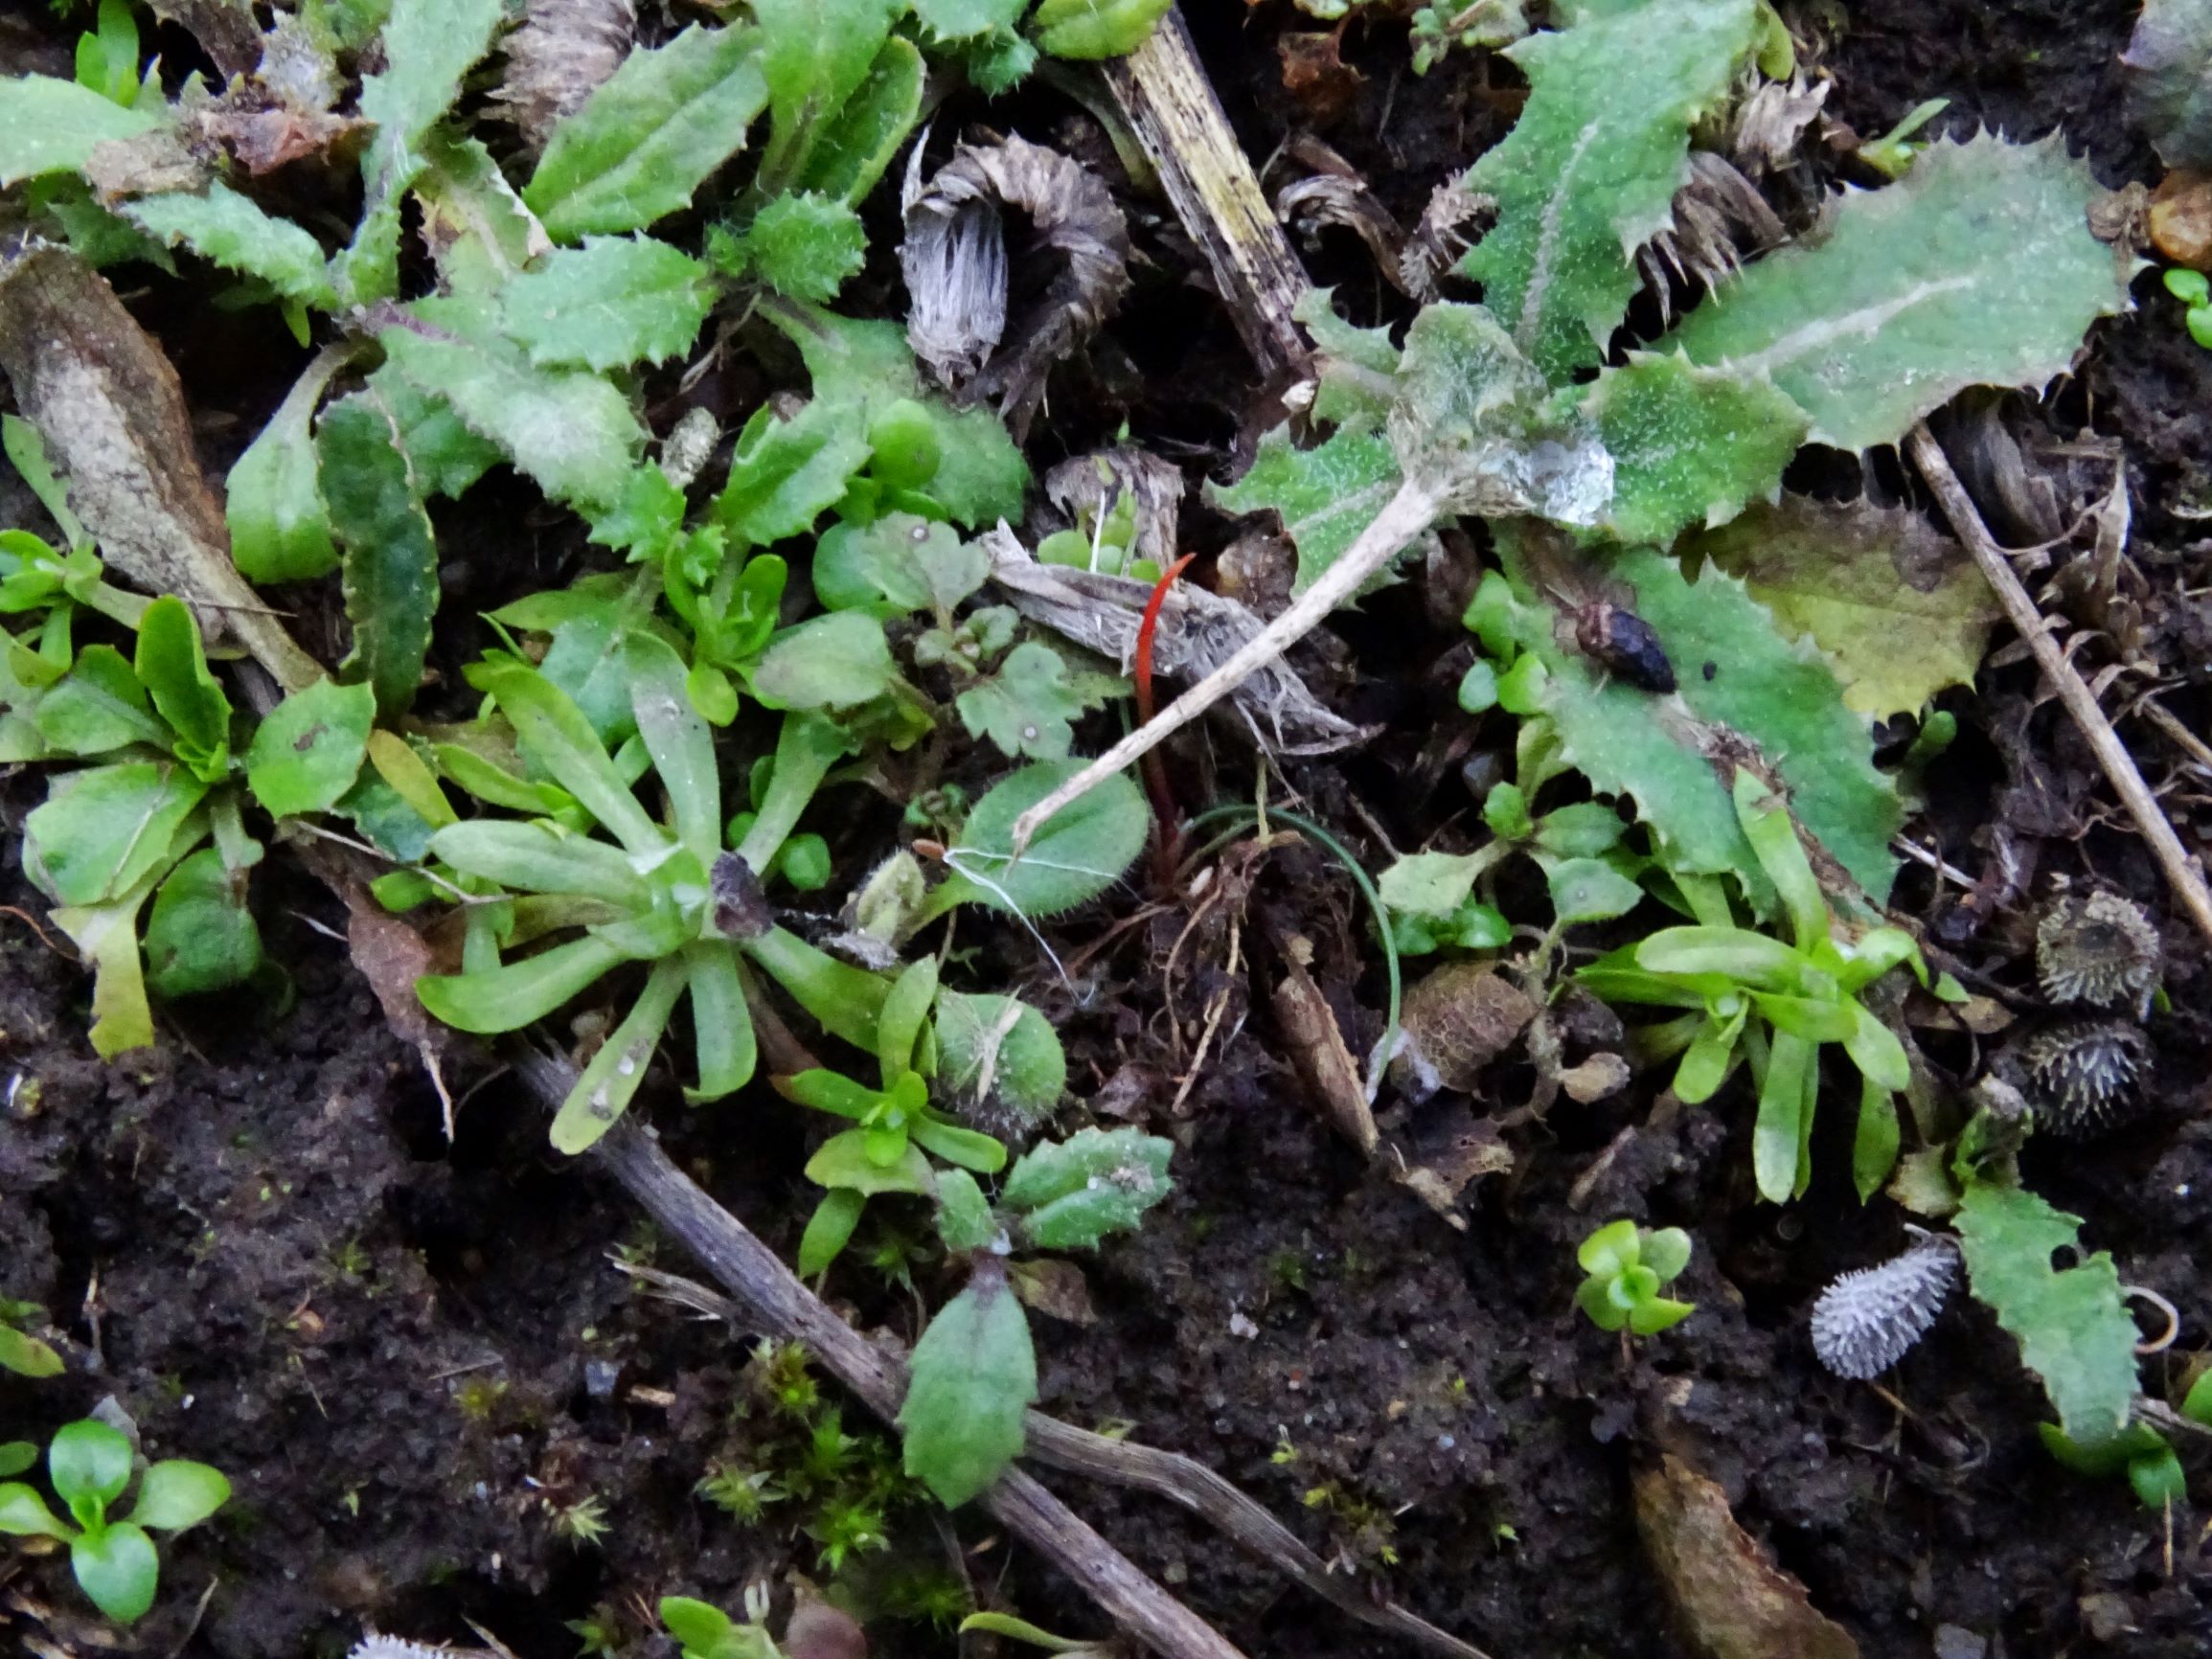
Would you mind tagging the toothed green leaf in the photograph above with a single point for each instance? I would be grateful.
(49, 126)
(849, 149)
(1766, 695)
(1093, 28)
(1690, 445)
(612, 302)
(1588, 172)
(1326, 496)
(964, 19)
(428, 46)
(1900, 608)
(273, 502)
(865, 363)
(478, 232)
(572, 432)
(805, 245)
(1978, 269)
(390, 557)
(1071, 1194)
(2073, 1329)
(229, 229)
(649, 137)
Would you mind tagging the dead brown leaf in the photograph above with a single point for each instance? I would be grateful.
(113, 416)
(1729, 1599)
(1457, 1021)
(1317, 1049)
(1441, 1165)
(1314, 73)
(564, 50)
(1055, 1288)
(950, 225)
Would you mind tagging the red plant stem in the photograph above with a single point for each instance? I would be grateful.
(1153, 768)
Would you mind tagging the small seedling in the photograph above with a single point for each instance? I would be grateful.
(707, 1632)
(20, 1351)
(2195, 292)
(1777, 1003)
(1030, 1635)
(114, 1560)
(1626, 1266)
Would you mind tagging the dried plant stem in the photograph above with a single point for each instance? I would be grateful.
(775, 1299)
(1170, 103)
(1404, 516)
(2186, 880)
(1167, 1474)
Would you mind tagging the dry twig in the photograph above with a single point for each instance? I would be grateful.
(2186, 880)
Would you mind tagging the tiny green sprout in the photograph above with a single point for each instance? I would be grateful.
(90, 1463)
(1890, 155)
(1625, 1265)
(1035, 1636)
(706, 1632)
(2195, 292)
(20, 1351)
(582, 1523)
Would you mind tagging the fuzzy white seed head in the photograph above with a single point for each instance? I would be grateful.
(2081, 1076)
(374, 1645)
(2097, 948)
(1866, 1321)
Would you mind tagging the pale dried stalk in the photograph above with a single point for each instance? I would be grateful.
(1163, 90)
(2119, 766)
(1404, 516)
(782, 1305)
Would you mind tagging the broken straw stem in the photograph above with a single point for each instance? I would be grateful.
(2081, 702)
(1404, 516)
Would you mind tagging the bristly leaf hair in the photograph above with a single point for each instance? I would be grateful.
(1866, 1320)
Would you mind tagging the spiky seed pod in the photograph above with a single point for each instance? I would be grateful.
(1866, 1320)
(2081, 1076)
(376, 1646)
(2099, 950)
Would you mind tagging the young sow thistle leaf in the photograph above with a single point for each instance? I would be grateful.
(442, 455)
(1978, 269)
(607, 303)
(573, 433)
(1900, 609)
(229, 229)
(1325, 496)
(1690, 445)
(1589, 173)
(49, 126)
(853, 146)
(865, 363)
(2073, 1329)
(649, 136)
(391, 559)
(805, 245)
(1777, 696)
(1086, 30)
(949, 20)
(309, 751)
(1076, 856)
(478, 232)
(972, 1376)
(428, 46)
(815, 55)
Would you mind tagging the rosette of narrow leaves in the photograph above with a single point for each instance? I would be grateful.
(1625, 1266)
(115, 1562)
(1751, 995)
(648, 895)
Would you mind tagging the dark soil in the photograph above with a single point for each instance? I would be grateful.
(413, 1359)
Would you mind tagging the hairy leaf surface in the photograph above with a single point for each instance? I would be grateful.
(2073, 1328)
(229, 229)
(612, 302)
(1978, 270)
(1589, 171)
(572, 432)
(972, 1376)
(1899, 607)
(649, 137)
(53, 125)
(390, 557)
(1690, 445)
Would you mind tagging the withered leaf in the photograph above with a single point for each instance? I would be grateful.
(1055, 1288)
(1729, 1599)
(1458, 1020)
(1318, 1053)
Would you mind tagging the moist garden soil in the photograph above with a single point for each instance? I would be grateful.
(412, 1357)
